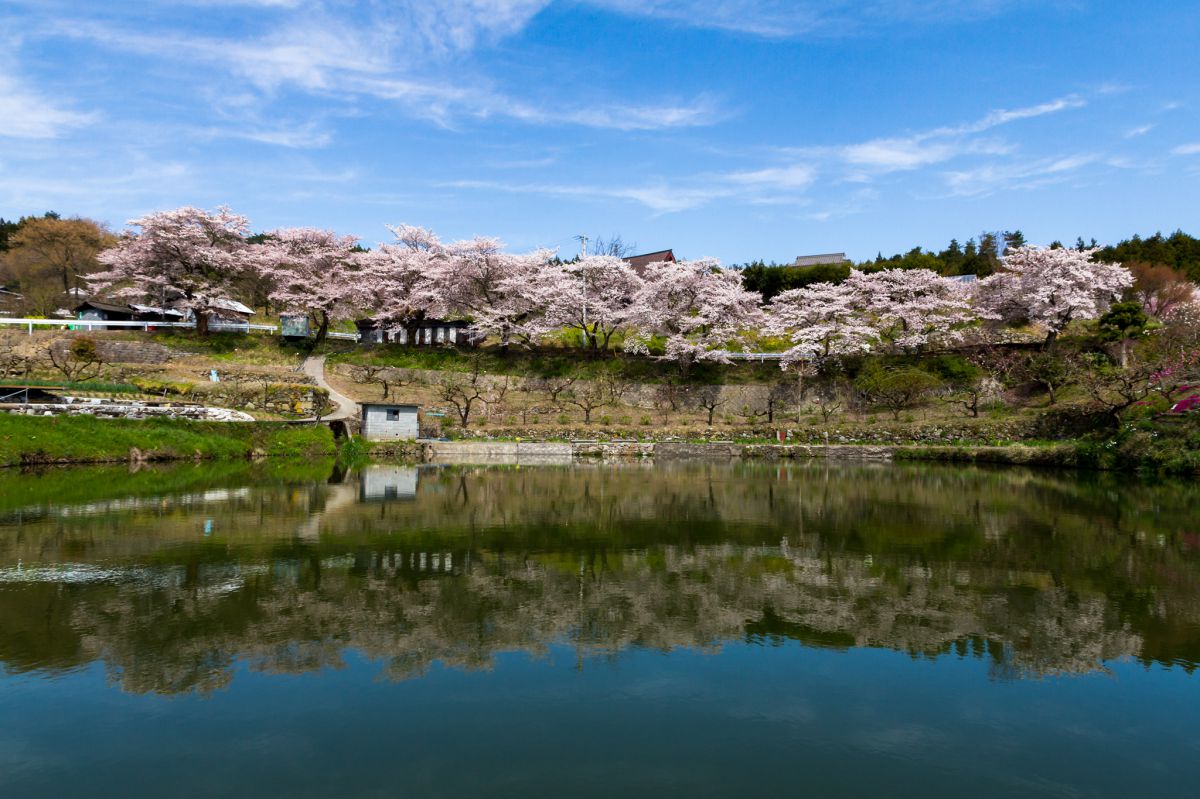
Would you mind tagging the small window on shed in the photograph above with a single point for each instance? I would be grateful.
(393, 414)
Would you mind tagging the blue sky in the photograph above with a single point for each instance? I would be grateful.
(739, 129)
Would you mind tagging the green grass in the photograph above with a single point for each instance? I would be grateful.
(56, 485)
(82, 439)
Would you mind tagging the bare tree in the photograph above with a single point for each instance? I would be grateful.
(552, 387)
(667, 398)
(833, 400)
(464, 390)
(614, 245)
(967, 394)
(76, 358)
(708, 397)
(592, 395)
(386, 376)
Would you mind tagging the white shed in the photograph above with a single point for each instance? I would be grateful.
(383, 422)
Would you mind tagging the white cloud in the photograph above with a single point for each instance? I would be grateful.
(790, 18)
(990, 178)
(340, 59)
(1187, 149)
(1140, 130)
(26, 114)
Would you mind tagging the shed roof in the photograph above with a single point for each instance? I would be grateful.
(101, 305)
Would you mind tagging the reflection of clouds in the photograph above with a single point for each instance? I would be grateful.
(785, 709)
(903, 739)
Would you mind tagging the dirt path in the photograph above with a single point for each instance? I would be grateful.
(346, 408)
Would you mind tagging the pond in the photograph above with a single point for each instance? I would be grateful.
(823, 630)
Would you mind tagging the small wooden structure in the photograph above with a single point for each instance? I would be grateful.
(293, 326)
(390, 422)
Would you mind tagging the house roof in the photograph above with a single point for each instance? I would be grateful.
(823, 258)
(640, 262)
(101, 305)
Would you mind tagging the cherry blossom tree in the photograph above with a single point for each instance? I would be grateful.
(188, 255)
(822, 320)
(312, 270)
(477, 280)
(699, 307)
(594, 295)
(1051, 287)
(911, 308)
(396, 283)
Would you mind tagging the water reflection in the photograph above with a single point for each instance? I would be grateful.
(172, 579)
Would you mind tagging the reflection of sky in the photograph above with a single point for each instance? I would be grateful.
(755, 721)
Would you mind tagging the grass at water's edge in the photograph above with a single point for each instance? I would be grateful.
(29, 440)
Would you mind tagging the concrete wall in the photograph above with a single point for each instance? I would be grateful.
(377, 427)
(538, 452)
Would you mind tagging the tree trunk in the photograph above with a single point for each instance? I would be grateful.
(322, 329)
(1050, 339)
(201, 322)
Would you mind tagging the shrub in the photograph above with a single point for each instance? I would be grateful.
(895, 389)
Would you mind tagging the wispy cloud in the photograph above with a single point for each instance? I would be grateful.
(1187, 149)
(793, 18)
(990, 178)
(339, 60)
(945, 143)
(28, 114)
(1140, 130)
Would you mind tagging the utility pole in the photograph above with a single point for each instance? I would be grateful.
(583, 240)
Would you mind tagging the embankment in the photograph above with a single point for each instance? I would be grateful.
(26, 440)
(1123, 453)
(551, 452)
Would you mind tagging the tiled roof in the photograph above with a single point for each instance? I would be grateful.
(640, 262)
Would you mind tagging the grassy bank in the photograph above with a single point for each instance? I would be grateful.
(80, 439)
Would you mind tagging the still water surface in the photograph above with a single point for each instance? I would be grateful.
(731, 630)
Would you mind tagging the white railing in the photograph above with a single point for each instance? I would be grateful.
(343, 336)
(104, 324)
(756, 356)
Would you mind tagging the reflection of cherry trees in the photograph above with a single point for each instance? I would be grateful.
(604, 560)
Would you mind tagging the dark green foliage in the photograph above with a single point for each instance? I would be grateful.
(1179, 251)
(772, 280)
(894, 389)
(1125, 320)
